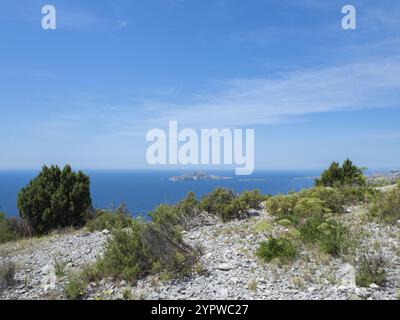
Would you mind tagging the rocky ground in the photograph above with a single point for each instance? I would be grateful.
(227, 270)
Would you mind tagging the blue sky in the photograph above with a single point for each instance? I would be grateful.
(87, 93)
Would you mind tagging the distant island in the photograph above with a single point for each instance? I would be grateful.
(390, 176)
(196, 176)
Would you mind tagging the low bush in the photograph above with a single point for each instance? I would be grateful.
(12, 229)
(120, 218)
(295, 207)
(187, 207)
(263, 226)
(144, 248)
(166, 215)
(77, 282)
(370, 269)
(332, 198)
(221, 202)
(6, 234)
(277, 248)
(354, 195)
(7, 272)
(331, 236)
(217, 202)
(227, 205)
(386, 206)
(308, 207)
(253, 199)
(316, 201)
(236, 209)
(75, 287)
(282, 207)
(285, 222)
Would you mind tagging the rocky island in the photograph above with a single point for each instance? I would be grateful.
(196, 176)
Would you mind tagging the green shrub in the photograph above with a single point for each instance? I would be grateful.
(134, 252)
(386, 206)
(280, 248)
(221, 202)
(354, 195)
(316, 201)
(285, 222)
(282, 205)
(55, 199)
(7, 272)
(293, 233)
(370, 269)
(331, 236)
(346, 175)
(166, 215)
(77, 282)
(236, 209)
(308, 207)
(59, 268)
(217, 202)
(171, 219)
(332, 198)
(263, 226)
(252, 199)
(295, 207)
(12, 229)
(109, 220)
(6, 234)
(181, 215)
(75, 287)
(187, 207)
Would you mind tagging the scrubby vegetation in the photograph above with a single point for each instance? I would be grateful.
(317, 201)
(78, 281)
(145, 248)
(12, 229)
(221, 203)
(6, 233)
(371, 269)
(338, 176)
(7, 272)
(227, 205)
(109, 220)
(331, 236)
(386, 206)
(277, 248)
(311, 202)
(309, 212)
(136, 250)
(55, 199)
(309, 219)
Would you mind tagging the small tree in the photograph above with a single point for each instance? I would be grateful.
(338, 176)
(55, 199)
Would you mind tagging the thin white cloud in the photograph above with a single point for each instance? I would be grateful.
(385, 136)
(244, 102)
(252, 101)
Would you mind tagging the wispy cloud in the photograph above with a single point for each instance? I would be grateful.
(385, 136)
(252, 101)
(258, 101)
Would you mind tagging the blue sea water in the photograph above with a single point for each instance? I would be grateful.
(142, 191)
